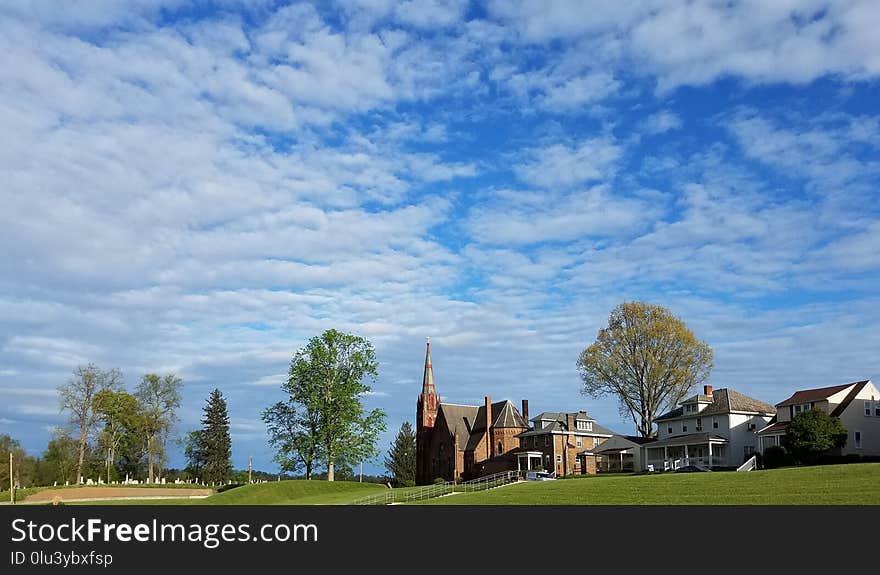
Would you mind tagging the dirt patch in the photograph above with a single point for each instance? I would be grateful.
(115, 492)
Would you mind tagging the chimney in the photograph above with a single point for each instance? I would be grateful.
(707, 390)
(569, 421)
(488, 427)
(525, 410)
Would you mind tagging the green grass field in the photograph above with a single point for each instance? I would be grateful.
(853, 484)
(271, 493)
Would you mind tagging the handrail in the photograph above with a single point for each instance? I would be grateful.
(750, 464)
(431, 491)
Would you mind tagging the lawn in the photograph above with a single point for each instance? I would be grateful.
(270, 493)
(853, 484)
(298, 492)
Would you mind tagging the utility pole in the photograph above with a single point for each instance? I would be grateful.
(11, 484)
(250, 468)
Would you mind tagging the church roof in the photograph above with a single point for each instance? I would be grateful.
(459, 420)
(504, 415)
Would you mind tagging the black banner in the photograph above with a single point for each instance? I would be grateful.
(161, 539)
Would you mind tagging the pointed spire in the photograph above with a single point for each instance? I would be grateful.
(428, 380)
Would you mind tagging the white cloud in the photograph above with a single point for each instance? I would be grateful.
(559, 165)
(661, 122)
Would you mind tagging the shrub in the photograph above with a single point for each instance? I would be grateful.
(439, 480)
(777, 456)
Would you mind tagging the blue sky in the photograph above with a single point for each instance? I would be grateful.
(202, 187)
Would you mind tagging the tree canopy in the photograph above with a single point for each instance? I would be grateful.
(324, 418)
(647, 358)
(812, 432)
(77, 397)
(158, 399)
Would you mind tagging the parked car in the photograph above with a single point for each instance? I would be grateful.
(539, 476)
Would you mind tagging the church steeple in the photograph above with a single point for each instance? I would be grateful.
(426, 415)
(428, 399)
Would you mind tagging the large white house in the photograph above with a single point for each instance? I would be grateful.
(713, 429)
(857, 405)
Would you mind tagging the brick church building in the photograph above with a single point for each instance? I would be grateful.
(459, 442)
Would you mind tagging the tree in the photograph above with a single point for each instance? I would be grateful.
(293, 432)
(119, 412)
(326, 380)
(647, 358)
(78, 397)
(401, 458)
(215, 446)
(61, 456)
(192, 451)
(812, 432)
(158, 399)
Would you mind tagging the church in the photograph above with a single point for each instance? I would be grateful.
(461, 442)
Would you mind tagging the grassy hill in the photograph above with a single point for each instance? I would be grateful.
(853, 484)
(294, 493)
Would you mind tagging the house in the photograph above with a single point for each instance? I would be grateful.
(561, 443)
(712, 429)
(457, 442)
(621, 453)
(856, 404)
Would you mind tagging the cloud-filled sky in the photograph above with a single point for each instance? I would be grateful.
(201, 187)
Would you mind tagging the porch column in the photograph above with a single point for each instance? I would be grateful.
(665, 454)
(685, 451)
(710, 454)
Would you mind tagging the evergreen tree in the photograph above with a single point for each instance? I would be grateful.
(401, 458)
(215, 450)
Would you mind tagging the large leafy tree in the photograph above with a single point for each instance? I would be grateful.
(215, 445)
(118, 411)
(327, 382)
(60, 457)
(21, 462)
(401, 458)
(811, 433)
(293, 432)
(647, 358)
(78, 399)
(158, 399)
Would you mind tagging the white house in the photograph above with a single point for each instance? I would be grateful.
(856, 404)
(713, 429)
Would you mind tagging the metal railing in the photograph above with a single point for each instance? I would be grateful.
(390, 496)
(750, 464)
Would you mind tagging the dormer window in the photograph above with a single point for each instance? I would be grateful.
(585, 425)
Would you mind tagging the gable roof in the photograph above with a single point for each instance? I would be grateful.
(817, 394)
(459, 420)
(857, 388)
(724, 401)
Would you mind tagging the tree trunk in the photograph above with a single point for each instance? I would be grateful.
(150, 460)
(308, 470)
(82, 453)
